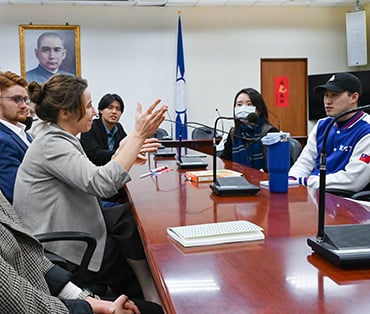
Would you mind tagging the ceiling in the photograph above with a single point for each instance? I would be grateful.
(355, 3)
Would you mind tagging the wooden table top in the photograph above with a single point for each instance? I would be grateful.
(277, 275)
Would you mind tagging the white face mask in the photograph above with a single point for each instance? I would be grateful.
(242, 112)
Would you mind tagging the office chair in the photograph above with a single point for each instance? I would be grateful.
(78, 271)
(160, 134)
(295, 149)
(363, 195)
(202, 133)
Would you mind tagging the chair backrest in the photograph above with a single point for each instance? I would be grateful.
(295, 149)
(202, 133)
(363, 195)
(160, 133)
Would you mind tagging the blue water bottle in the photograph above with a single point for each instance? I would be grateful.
(278, 164)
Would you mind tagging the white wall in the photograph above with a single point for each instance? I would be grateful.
(132, 50)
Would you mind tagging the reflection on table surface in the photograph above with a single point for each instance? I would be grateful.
(277, 275)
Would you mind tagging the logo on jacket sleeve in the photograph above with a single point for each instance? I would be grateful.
(365, 158)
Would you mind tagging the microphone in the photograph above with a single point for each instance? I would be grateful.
(342, 245)
(192, 124)
(229, 186)
(163, 151)
(171, 130)
(222, 121)
(188, 162)
(252, 118)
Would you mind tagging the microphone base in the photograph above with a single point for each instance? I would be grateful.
(191, 163)
(346, 246)
(233, 186)
(165, 152)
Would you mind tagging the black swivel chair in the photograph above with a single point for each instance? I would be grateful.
(363, 195)
(295, 148)
(160, 134)
(79, 271)
(202, 133)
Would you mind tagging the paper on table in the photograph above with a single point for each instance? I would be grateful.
(290, 183)
(216, 233)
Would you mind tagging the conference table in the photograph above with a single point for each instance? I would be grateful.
(279, 274)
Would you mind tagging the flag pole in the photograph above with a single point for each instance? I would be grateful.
(181, 108)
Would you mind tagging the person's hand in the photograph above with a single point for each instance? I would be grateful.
(150, 146)
(122, 305)
(147, 122)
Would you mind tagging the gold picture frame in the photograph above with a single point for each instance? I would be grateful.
(31, 60)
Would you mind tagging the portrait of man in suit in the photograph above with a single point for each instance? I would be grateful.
(48, 51)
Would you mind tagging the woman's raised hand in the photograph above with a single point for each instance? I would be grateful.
(147, 122)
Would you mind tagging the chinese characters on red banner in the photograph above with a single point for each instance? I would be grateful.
(281, 91)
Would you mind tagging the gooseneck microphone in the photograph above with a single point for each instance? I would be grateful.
(192, 124)
(171, 130)
(222, 121)
(252, 118)
(229, 186)
(343, 245)
(185, 162)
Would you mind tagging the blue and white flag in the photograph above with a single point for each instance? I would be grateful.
(181, 114)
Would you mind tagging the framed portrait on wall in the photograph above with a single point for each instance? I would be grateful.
(49, 49)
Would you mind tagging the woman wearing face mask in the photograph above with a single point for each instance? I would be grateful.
(243, 144)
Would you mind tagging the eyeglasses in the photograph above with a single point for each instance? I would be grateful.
(18, 99)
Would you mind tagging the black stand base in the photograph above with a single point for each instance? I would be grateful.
(234, 186)
(346, 246)
(191, 163)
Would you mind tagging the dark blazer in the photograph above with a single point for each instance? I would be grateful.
(12, 150)
(95, 142)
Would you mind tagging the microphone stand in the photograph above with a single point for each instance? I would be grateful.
(188, 162)
(214, 141)
(222, 121)
(229, 186)
(334, 244)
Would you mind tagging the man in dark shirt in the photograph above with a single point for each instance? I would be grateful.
(101, 142)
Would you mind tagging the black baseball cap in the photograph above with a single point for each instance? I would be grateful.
(341, 82)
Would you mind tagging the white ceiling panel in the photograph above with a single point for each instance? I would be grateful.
(180, 3)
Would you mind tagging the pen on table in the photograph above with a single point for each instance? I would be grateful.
(154, 171)
(196, 155)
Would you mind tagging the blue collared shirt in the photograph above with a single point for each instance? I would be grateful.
(111, 136)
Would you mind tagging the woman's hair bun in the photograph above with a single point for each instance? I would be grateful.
(35, 92)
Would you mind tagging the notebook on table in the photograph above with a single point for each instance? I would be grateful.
(216, 233)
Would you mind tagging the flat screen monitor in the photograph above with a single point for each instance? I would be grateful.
(315, 101)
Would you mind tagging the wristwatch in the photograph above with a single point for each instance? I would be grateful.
(87, 293)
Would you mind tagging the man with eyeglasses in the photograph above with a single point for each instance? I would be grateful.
(51, 53)
(14, 141)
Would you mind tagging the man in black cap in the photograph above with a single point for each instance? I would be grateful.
(348, 143)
